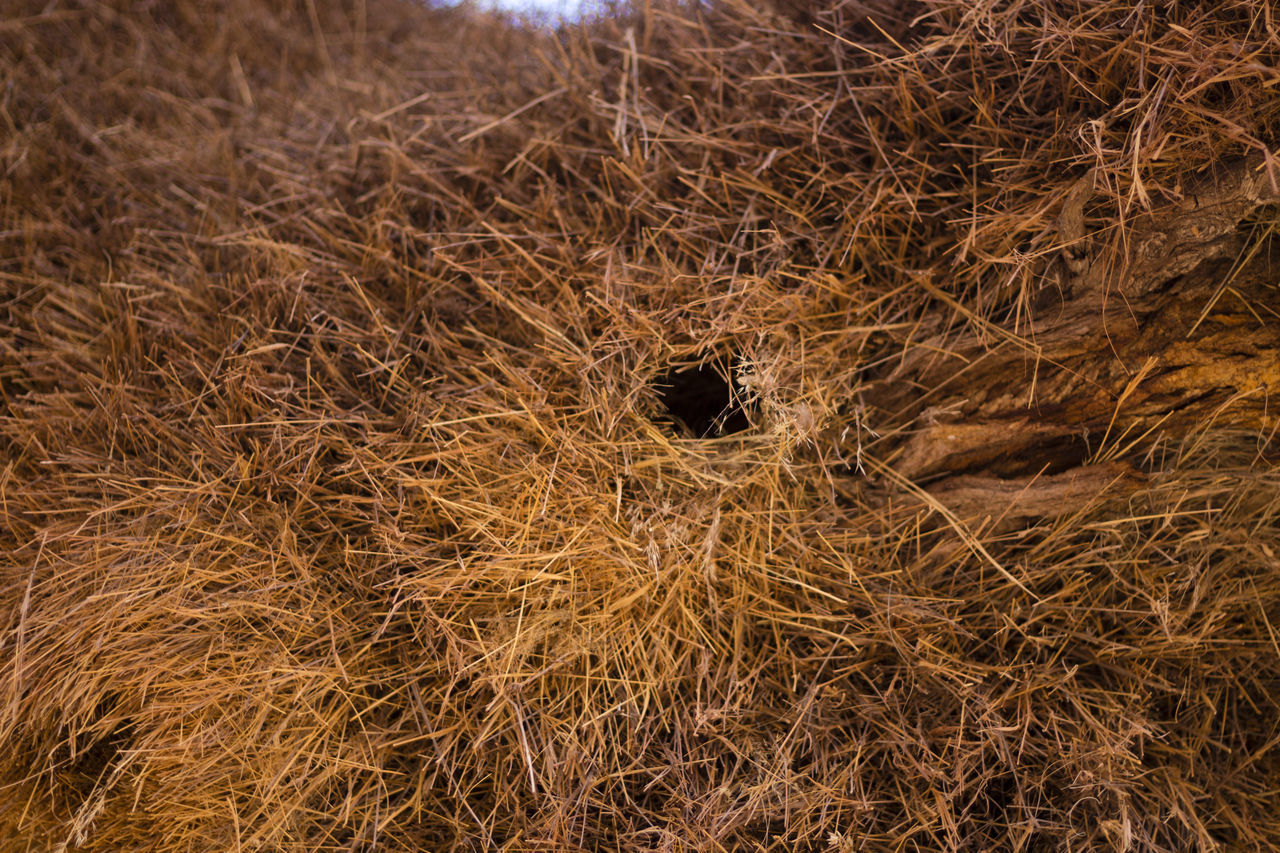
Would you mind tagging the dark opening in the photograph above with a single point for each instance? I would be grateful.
(83, 768)
(701, 400)
(1047, 457)
(92, 762)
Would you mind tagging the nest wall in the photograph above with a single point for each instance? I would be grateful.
(426, 431)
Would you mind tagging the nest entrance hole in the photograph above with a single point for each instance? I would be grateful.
(701, 399)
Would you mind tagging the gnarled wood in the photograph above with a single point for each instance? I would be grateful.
(1172, 326)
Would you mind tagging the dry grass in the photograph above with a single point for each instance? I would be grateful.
(341, 509)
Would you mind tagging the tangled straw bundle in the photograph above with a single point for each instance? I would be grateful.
(703, 428)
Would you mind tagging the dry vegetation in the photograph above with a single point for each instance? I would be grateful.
(355, 495)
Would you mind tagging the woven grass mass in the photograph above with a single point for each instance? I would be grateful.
(703, 428)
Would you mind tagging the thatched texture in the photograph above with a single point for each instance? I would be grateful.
(706, 429)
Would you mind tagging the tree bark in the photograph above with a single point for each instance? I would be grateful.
(1165, 327)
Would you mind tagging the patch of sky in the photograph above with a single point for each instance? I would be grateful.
(550, 10)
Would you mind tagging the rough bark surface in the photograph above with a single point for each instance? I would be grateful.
(1152, 332)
